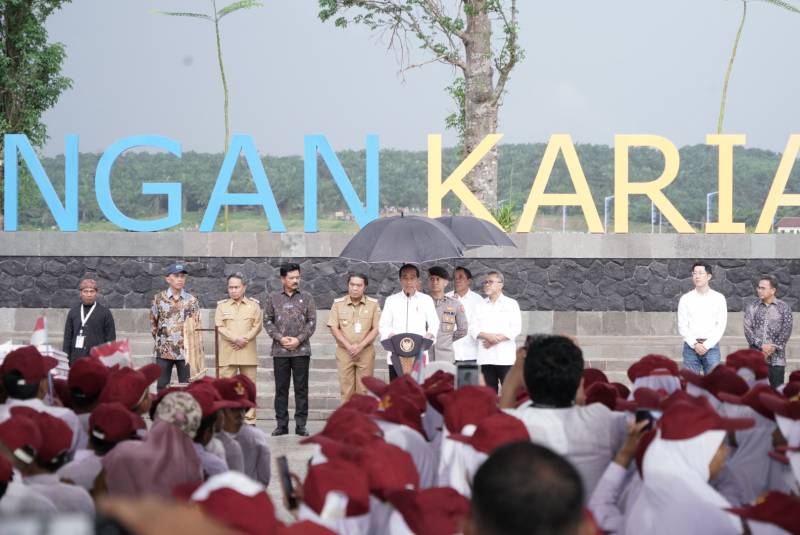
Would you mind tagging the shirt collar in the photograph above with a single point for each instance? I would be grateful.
(363, 300)
(170, 293)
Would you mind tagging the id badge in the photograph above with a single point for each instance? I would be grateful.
(357, 327)
(79, 341)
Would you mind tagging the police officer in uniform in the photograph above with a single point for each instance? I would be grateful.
(239, 321)
(452, 317)
(354, 320)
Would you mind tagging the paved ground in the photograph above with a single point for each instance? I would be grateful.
(297, 455)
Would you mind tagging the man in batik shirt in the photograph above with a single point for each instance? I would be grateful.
(171, 308)
(767, 327)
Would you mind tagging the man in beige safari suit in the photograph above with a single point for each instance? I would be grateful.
(238, 319)
(354, 321)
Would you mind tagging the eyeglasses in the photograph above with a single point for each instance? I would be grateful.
(487, 282)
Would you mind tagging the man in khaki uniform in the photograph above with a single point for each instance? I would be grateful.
(452, 317)
(239, 321)
(354, 321)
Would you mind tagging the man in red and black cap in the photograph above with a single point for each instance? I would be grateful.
(25, 375)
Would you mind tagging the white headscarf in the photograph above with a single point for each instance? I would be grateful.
(676, 474)
(667, 383)
(750, 460)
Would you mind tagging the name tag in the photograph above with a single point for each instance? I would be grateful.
(79, 341)
(357, 327)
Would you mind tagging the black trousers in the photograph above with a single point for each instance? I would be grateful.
(166, 371)
(777, 375)
(494, 375)
(286, 368)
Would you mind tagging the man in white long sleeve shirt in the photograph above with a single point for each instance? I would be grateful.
(466, 348)
(497, 324)
(408, 311)
(702, 316)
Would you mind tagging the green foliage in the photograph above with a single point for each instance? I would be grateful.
(403, 182)
(457, 120)
(505, 215)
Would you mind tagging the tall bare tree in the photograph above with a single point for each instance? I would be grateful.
(215, 17)
(724, 99)
(459, 33)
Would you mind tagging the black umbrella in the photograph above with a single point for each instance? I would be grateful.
(475, 232)
(412, 239)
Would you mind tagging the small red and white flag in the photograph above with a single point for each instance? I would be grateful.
(39, 336)
(113, 353)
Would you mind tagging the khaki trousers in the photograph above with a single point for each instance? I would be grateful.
(351, 372)
(250, 373)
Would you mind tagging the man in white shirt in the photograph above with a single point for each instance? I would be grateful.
(497, 323)
(408, 311)
(702, 316)
(466, 348)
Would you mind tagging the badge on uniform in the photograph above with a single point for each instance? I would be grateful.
(357, 327)
(79, 341)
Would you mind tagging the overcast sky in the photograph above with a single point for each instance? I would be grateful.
(593, 69)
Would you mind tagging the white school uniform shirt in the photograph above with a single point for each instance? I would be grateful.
(607, 503)
(83, 469)
(501, 317)
(588, 436)
(750, 460)
(20, 499)
(403, 314)
(256, 453)
(466, 348)
(702, 316)
(234, 457)
(79, 437)
(412, 442)
(211, 463)
(67, 498)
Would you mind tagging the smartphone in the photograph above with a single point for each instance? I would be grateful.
(642, 415)
(467, 374)
(286, 482)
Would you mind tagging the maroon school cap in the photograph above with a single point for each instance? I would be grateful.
(406, 387)
(432, 511)
(603, 393)
(6, 470)
(468, 405)
(361, 403)
(337, 475)
(752, 359)
(232, 389)
(349, 426)
(56, 434)
(208, 398)
(388, 468)
(721, 379)
(29, 363)
(249, 386)
(495, 431)
(129, 386)
(781, 406)
(776, 508)
(752, 399)
(437, 384)
(593, 375)
(623, 390)
(113, 422)
(643, 398)
(682, 420)
(86, 379)
(652, 365)
(400, 410)
(22, 437)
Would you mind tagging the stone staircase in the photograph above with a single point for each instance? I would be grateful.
(610, 353)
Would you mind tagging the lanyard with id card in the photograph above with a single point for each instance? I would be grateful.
(80, 339)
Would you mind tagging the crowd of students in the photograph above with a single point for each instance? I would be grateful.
(560, 451)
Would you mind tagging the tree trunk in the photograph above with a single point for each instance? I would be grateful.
(480, 113)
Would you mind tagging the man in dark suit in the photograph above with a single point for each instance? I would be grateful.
(88, 324)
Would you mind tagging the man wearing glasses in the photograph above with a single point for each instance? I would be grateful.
(702, 316)
(497, 323)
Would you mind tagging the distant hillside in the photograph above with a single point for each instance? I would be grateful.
(403, 178)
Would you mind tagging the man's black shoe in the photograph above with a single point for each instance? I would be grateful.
(301, 431)
(280, 431)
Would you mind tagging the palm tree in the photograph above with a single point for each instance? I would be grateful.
(215, 17)
(778, 3)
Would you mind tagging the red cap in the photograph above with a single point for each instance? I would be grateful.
(400, 410)
(752, 399)
(775, 508)
(56, 434)
(350, 429)
(794, 376)
(437, 384)
(388, 468)
(652, 365)
(22, 437)
(249, 386)
(749, 358)
(129, 386)
(781, 406)
(721, 379)
(679, 395)
(29, 363)
(62, 391)
(682, 420)
(622, 390)
(234, 390)
(591, 376)
(113, 422)
(792, 390)
(468, 405)
(643, 398)
(494, 431)
(406, 387)
(6, 470)
(374, 385)
(87, 377)
(603, 393)
(337, 475)
(208, 398)
(361, 403)
(433, 511)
